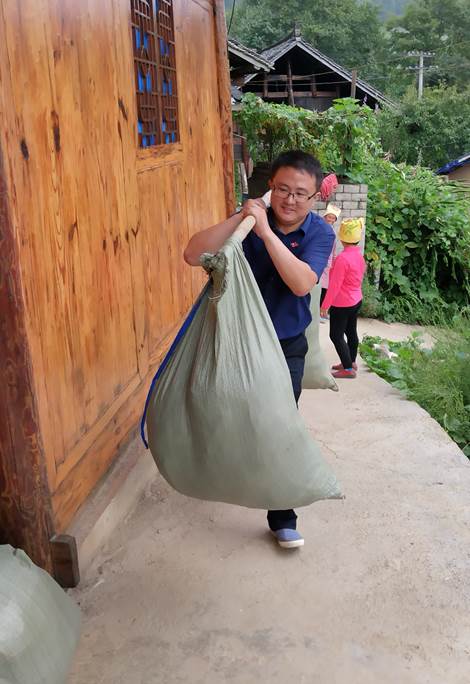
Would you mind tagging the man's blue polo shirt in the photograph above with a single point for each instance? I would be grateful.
(312, 242)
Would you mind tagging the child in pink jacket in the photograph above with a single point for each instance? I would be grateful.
(344, 297)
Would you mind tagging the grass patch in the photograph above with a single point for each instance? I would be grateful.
(408, 308)
(438, 379)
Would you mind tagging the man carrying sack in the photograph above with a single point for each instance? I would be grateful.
(287, 250)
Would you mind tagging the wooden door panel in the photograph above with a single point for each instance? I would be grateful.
(164, 226)
(200, 120)
(101, 225)
(72, 217)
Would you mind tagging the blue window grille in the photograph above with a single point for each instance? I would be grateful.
(155, 72)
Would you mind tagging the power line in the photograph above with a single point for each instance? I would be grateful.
(372, 63)
(231, 17)
(454, 45)
(438, 53)
(427, 69)
(380, 61)
(421, 55)
(442, 67)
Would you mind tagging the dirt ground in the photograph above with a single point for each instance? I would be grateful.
(195, 592)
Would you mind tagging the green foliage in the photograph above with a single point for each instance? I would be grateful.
(347, 30)
(270, 128)
(371, 300)
(438, 26)
(238, 185)
(437, 379)
(388, 7)
(418, 229)
(342, 138)
(349, 137)
(430, 131)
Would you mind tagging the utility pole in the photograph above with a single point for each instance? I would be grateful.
(353, 82)
(421, 54)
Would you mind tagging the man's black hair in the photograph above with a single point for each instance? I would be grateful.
(302, 161)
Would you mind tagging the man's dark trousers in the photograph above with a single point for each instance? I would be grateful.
(295, 349)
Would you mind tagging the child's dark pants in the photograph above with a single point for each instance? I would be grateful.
(343, 321)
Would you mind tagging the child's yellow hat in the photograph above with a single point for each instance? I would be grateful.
(350, 230)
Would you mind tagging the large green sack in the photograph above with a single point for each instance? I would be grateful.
(317, 373)
(39, 623)
(221, 419)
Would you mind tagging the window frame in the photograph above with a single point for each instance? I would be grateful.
(154, 46)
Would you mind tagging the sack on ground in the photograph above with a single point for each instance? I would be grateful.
(39, 623)
(221, 419)
(317, 373)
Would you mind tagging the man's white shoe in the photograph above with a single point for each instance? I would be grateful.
(287, 538)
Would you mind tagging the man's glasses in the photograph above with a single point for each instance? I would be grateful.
(284, 193)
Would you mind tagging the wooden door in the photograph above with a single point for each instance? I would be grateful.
(101, 224)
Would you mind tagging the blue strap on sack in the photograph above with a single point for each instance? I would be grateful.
(181, 333)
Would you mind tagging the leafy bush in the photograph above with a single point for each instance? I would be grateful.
(418, 228)
(349, 138)
(371, 300)
(432, 130)
(438, 379)
(343, 138)
(271, 129)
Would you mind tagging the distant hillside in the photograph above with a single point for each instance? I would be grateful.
(388, 6)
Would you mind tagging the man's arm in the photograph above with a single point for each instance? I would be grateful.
(297, 274)
(211, 239)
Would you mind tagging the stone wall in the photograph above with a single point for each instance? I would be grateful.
(352, 200)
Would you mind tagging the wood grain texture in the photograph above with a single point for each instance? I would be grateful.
(75, 259)
(25, 509)
(127, 129)
(73, 491)
(225, 106)
(201, 132)
(100, 225)
(164, 227)
(65, 560)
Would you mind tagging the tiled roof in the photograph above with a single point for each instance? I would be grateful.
(275, 52)
(251, 56)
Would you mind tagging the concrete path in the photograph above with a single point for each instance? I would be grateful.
(197, 593)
